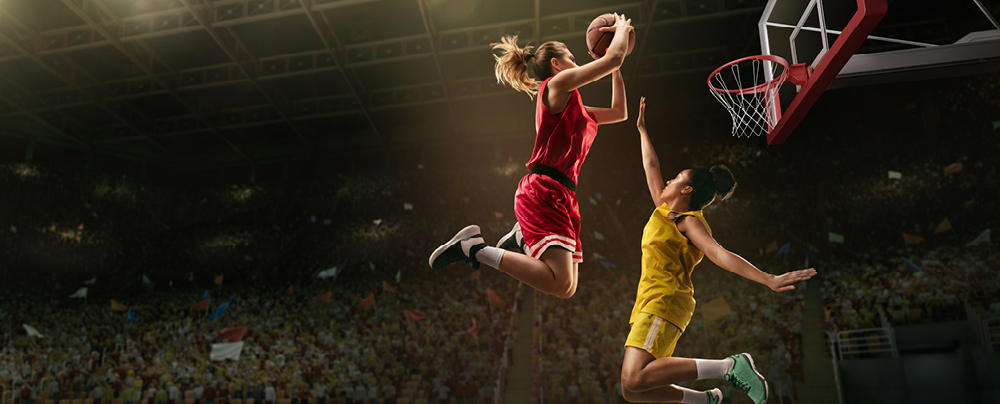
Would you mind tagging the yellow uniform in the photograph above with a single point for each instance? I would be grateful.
(665, 293)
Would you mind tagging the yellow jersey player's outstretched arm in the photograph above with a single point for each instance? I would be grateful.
(701, 238)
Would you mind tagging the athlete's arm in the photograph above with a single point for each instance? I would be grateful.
(619, 109)
(571, 79)
(650, 162)
(701, 238)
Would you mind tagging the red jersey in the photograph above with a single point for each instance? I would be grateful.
(562, 140)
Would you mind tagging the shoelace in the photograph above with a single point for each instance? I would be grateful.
(742, 385)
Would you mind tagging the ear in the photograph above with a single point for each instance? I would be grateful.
(687, 190)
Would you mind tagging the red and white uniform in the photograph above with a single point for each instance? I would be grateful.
(547, 211)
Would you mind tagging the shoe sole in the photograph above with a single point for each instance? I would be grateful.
(763, 381)
(512, 233)
(466, 233)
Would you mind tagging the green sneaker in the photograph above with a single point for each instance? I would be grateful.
(714, 396)
(745, 377)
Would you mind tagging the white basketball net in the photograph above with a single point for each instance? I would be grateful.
(747, 94)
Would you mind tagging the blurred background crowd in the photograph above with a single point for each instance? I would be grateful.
(894, 208)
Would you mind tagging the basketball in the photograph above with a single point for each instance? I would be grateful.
(598, 41)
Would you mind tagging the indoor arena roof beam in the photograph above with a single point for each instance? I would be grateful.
(666, 64)
(192, 79)
(433, 36)
(13, 91)
(238, 52)
(95, 8)
(334, 47)
(74, 74)
(180, 21)
(648, 24)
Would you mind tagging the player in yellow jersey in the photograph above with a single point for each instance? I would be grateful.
(674, 240)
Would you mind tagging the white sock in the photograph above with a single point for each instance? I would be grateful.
(693, 396)
(490, 256)
(712, 368)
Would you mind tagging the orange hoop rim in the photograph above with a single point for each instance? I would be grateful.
(758, 88)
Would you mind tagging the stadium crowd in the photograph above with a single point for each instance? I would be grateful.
(155, 248)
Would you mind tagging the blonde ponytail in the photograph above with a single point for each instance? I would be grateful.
(512, 65)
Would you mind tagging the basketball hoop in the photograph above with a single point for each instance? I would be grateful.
(750, 98)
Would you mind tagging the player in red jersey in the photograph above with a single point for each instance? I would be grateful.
(545, 241)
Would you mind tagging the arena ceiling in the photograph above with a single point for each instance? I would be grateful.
(198, 83)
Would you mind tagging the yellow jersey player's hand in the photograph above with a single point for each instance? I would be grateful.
(786, 281)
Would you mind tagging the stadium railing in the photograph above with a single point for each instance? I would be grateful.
(865, 341)
(986, 330)
(501, 382)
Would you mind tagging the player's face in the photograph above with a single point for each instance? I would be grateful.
(674, 186)
(566, 61)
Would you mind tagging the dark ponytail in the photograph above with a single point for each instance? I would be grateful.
(709, 185)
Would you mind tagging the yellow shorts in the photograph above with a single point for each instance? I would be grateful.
(653, 334)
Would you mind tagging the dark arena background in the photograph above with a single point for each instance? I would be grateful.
(174, 170)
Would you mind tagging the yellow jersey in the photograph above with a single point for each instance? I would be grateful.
(668, 258)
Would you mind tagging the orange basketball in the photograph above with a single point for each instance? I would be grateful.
(598, 41)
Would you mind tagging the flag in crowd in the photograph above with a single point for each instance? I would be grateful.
(219, 311)
(836, 238)
(116, 306)
(943, 227)
(784, 249)
(716, 309)
(387, 288)
(32, 332)
(983, 237)
(910, 239)
(368, 301)
(911, 265)
(131, 316)
(771, 247)
(493, 296)
(412, 316)
(953, 168)
(475, 274)
(226, 350)
(202, 305)
(473, 332)
(82, 292)
(90, 281)
(233, 334)
(321, 298)
(218, 279)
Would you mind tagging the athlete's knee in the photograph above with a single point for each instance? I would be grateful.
(631, 382)
(631, 396)
(570, 290)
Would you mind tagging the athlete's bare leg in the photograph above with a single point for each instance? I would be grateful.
(555, 273)
(643, 373)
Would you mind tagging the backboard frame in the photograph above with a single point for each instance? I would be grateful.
(827, 65)
(839, 65)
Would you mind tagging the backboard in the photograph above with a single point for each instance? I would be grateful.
(865, 42)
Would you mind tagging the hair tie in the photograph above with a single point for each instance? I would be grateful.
(530, 55)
